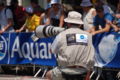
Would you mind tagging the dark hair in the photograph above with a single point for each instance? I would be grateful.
(38, 9)
(2, 4)
(34, 1)
(13, 1)
(30, 14)
(99, 8)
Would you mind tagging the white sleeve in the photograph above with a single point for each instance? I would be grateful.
(90, 16)
(9, 14)
(56, 44)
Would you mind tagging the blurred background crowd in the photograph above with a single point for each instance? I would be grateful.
(16, 16)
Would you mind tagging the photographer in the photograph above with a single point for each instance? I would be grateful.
(74, 49)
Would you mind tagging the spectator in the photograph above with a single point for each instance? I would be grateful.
(34, 4)
(38, 12)
(32, 21)
(44, 17)
(6, 18)
(117, 16)
(74, 49)
(56, 13)
(88, 14)
(18, 14)
(106, 7)
(102, 22)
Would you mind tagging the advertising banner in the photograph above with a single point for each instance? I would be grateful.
(19, 48)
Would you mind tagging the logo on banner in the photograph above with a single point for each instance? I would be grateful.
(3, 47)
(107, 49)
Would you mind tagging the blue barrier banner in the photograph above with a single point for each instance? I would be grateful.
(107, 48)
(19, 48)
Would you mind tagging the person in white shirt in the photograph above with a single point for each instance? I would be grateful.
(88, 14)
(6, 19)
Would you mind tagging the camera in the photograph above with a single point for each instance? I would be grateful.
(44, 31)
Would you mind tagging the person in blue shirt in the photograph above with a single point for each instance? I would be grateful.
(117, 16)
(103, 22)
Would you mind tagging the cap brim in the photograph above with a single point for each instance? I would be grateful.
(73, 21)
(86, 5)
(54, 3)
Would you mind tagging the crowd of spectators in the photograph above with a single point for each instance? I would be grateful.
(15, 18)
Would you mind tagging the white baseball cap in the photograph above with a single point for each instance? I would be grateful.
(55, 2)
(74, 17)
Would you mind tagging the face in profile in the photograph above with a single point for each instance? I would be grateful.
(85, 9)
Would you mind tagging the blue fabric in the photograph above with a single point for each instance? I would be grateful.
(107, 49)
(21, 49)
(102, 21)
(48, 6)
(118, 22)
